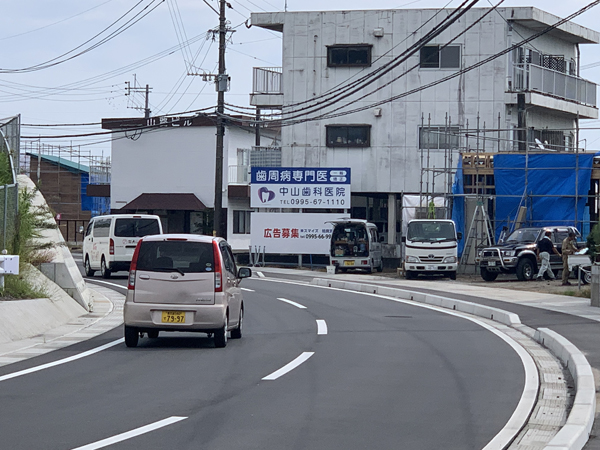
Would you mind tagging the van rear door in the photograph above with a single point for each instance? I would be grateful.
(175, 271)
(129, 230)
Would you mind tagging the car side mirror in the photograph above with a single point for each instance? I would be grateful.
(403, 239)
(80, 229)
(244, 272)
(458, 236)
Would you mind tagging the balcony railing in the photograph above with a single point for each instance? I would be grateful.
(239, 175)
(266, 80)
(532, 78)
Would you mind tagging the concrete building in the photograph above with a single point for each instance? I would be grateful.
(166, 166)
(532, 92)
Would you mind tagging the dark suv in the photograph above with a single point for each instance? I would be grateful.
(517, 253)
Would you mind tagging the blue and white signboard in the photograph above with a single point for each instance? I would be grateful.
(300, 187)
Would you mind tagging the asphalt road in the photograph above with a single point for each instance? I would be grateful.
(377, 374)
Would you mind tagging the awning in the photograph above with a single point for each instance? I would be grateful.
(173, 202)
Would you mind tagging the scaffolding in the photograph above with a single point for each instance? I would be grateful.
(475, 147)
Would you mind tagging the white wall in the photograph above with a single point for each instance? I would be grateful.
(392, 162)
(172, 160)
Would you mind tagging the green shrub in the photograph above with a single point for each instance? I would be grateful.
(29, 223)
(593, 242)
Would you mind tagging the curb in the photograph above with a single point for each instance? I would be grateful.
(575, 433)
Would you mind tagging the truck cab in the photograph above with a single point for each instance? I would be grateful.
(355, 245)
(431, 248)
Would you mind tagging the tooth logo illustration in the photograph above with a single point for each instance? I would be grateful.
(265, 195)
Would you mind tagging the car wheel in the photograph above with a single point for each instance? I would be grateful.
(525, 270)
(586, 275)
(153, 334)
(88, 268)
(487, 275)
(236, 333)
(103, 269)
(131, 336)
(452, 275)
(409, 275)
(221, 336)
(380, 267)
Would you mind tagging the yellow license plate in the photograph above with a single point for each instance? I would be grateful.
(348, 263)
(173, 317)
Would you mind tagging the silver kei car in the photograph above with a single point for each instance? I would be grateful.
(184, 282)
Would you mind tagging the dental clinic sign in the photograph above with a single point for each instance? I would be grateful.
(300, 187)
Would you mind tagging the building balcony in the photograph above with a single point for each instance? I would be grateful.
(555, 90)
(239, 174)
(266, 87)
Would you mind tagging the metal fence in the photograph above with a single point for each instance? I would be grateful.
(266, 80)
(9, 193)
(531, 78)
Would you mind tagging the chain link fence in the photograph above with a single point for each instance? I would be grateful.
(9, 192)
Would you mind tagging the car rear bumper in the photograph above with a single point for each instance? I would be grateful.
(197, 317)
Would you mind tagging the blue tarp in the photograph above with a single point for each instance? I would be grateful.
(556, 177)
(458, 205)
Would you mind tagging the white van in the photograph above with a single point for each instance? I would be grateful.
(110, 241)
(355, 244)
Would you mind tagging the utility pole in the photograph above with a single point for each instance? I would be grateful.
(135, 89)
(221, 82)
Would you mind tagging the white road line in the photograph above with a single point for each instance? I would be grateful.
(93, 280)
(297, 305)
(260, 274)
(60, 361)
(289, 366)
(321, 326)
(131, 434)
(248, 290)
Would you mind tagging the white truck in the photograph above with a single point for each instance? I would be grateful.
(431, 248)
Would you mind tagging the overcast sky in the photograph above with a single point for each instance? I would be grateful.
(91, 86)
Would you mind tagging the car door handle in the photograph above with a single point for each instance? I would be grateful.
(144, 277)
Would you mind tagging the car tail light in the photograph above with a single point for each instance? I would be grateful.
(217, 262)
(133, 266)
(364, 262)
(111, 247)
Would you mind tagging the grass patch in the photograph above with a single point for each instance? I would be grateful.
(18, 287)
(585, 292)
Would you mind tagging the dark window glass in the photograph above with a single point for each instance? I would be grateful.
(430, 56)
(227, 258)
(348, 136)
(136, 227)
(189, 257)
(88, 231)
(349, 55)
(447, 58)
(241, 222)
(101, 228)
(450, 57)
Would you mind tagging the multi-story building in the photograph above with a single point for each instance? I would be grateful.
(401, 131)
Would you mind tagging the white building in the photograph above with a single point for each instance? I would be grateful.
(166, 166)
(391, 146)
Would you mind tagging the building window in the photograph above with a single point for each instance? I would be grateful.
(348, 135)
(241, 222)
(349, 55)
(446, 58)
(439, 137)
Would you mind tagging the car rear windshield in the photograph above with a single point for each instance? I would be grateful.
(181, 256)
(136, 227)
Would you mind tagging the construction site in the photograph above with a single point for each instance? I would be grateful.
(496, 180)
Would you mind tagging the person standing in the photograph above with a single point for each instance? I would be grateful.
(543, 250)
(568, 248)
